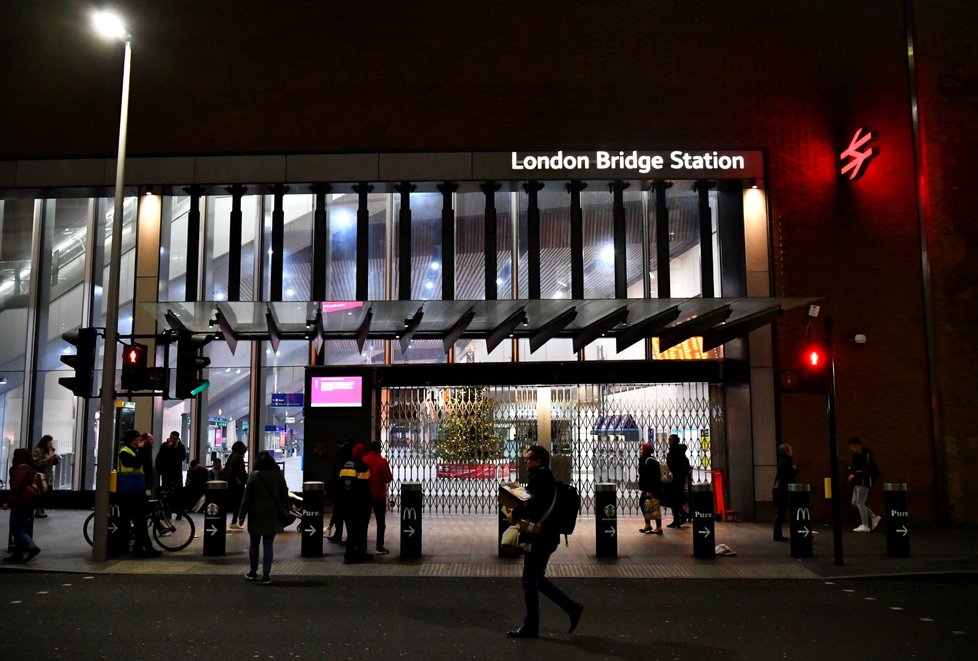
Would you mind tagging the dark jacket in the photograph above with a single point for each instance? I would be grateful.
(787, 473)
(678, 463)
(169, 461)
(236, 467)
(145, 454)
(860, 468)
(353, 485)
(260, 494)
(650, 476)
(543, 487)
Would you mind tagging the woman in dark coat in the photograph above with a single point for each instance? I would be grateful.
(676, 495)
(650, 482)
(787, 473)
(265, 491)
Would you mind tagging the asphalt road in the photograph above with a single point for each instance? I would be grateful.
(77, 616)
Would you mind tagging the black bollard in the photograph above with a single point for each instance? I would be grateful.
(412, 503)
(800, 516)
(605, 521)
(897, 520)
(704, 522)
(312, 519)
(215, 518)
(118, 528)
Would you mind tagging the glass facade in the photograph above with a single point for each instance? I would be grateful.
(54, 268)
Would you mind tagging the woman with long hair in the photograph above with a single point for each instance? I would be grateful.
(265, 496)
(45, 459)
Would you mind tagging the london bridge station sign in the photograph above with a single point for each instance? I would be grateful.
(621, 164)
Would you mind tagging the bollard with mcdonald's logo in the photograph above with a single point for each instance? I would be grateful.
(412, 501)
(799, 506)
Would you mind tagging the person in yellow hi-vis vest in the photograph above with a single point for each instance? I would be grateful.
(131, 491)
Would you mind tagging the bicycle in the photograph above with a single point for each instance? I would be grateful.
(172, 528)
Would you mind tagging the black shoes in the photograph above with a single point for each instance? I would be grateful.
(30, 554)
(336, 539)
(526, 632)
(147, 553)
(575, 617)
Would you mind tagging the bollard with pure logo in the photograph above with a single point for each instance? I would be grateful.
(312, 519)
(897, 520)
(412, 502)
(704, 537)
(605, 521)
(215, 519)
(800, 514)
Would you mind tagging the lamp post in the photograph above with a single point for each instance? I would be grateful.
(111, 26)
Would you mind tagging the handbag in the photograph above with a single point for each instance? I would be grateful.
(510, 541)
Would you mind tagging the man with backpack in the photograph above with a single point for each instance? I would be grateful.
(862, 473)
(539, 522)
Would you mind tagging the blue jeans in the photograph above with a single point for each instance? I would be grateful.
(534, 582)
(19, 519)
(859, 494)
(268, 553)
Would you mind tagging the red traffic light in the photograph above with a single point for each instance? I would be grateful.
(134, 356)
(816, 357)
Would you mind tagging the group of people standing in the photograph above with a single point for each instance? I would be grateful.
(672, 492)
(358, 488)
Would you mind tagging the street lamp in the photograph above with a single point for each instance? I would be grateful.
(110, 25)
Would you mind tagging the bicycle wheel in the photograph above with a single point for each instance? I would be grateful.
(175, 534)
(89, 529)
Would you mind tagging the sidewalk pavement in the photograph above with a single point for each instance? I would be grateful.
(465, 546)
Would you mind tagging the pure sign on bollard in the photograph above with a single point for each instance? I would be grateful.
(605, 521)
(312, 519)
(215, 521)
(799, 503)
(704, 539)
(411, 507)
(897, 517)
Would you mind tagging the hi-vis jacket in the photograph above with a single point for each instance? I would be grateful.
(131, 478)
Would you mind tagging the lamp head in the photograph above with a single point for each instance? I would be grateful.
(110, 25)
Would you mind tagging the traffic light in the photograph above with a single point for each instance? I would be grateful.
(814, 373)
(134, 367)
(83, 362)
(189, 363)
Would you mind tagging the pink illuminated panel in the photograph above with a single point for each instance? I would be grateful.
(336, 391)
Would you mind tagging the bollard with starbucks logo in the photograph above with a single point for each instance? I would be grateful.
(605, 521)
(215, 519)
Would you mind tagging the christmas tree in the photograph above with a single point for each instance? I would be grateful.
(467, 433)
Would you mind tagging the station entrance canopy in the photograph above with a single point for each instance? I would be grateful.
(627, 321)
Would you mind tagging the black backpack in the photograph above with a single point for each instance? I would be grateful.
(568, 507)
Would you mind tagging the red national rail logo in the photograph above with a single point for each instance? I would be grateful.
(858, 154)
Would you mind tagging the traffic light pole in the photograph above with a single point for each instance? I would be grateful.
(833, 452)
(106, 426)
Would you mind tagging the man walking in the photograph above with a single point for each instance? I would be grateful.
(538, 522)
(862, 473)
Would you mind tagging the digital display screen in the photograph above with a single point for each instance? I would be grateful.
(336, 391)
